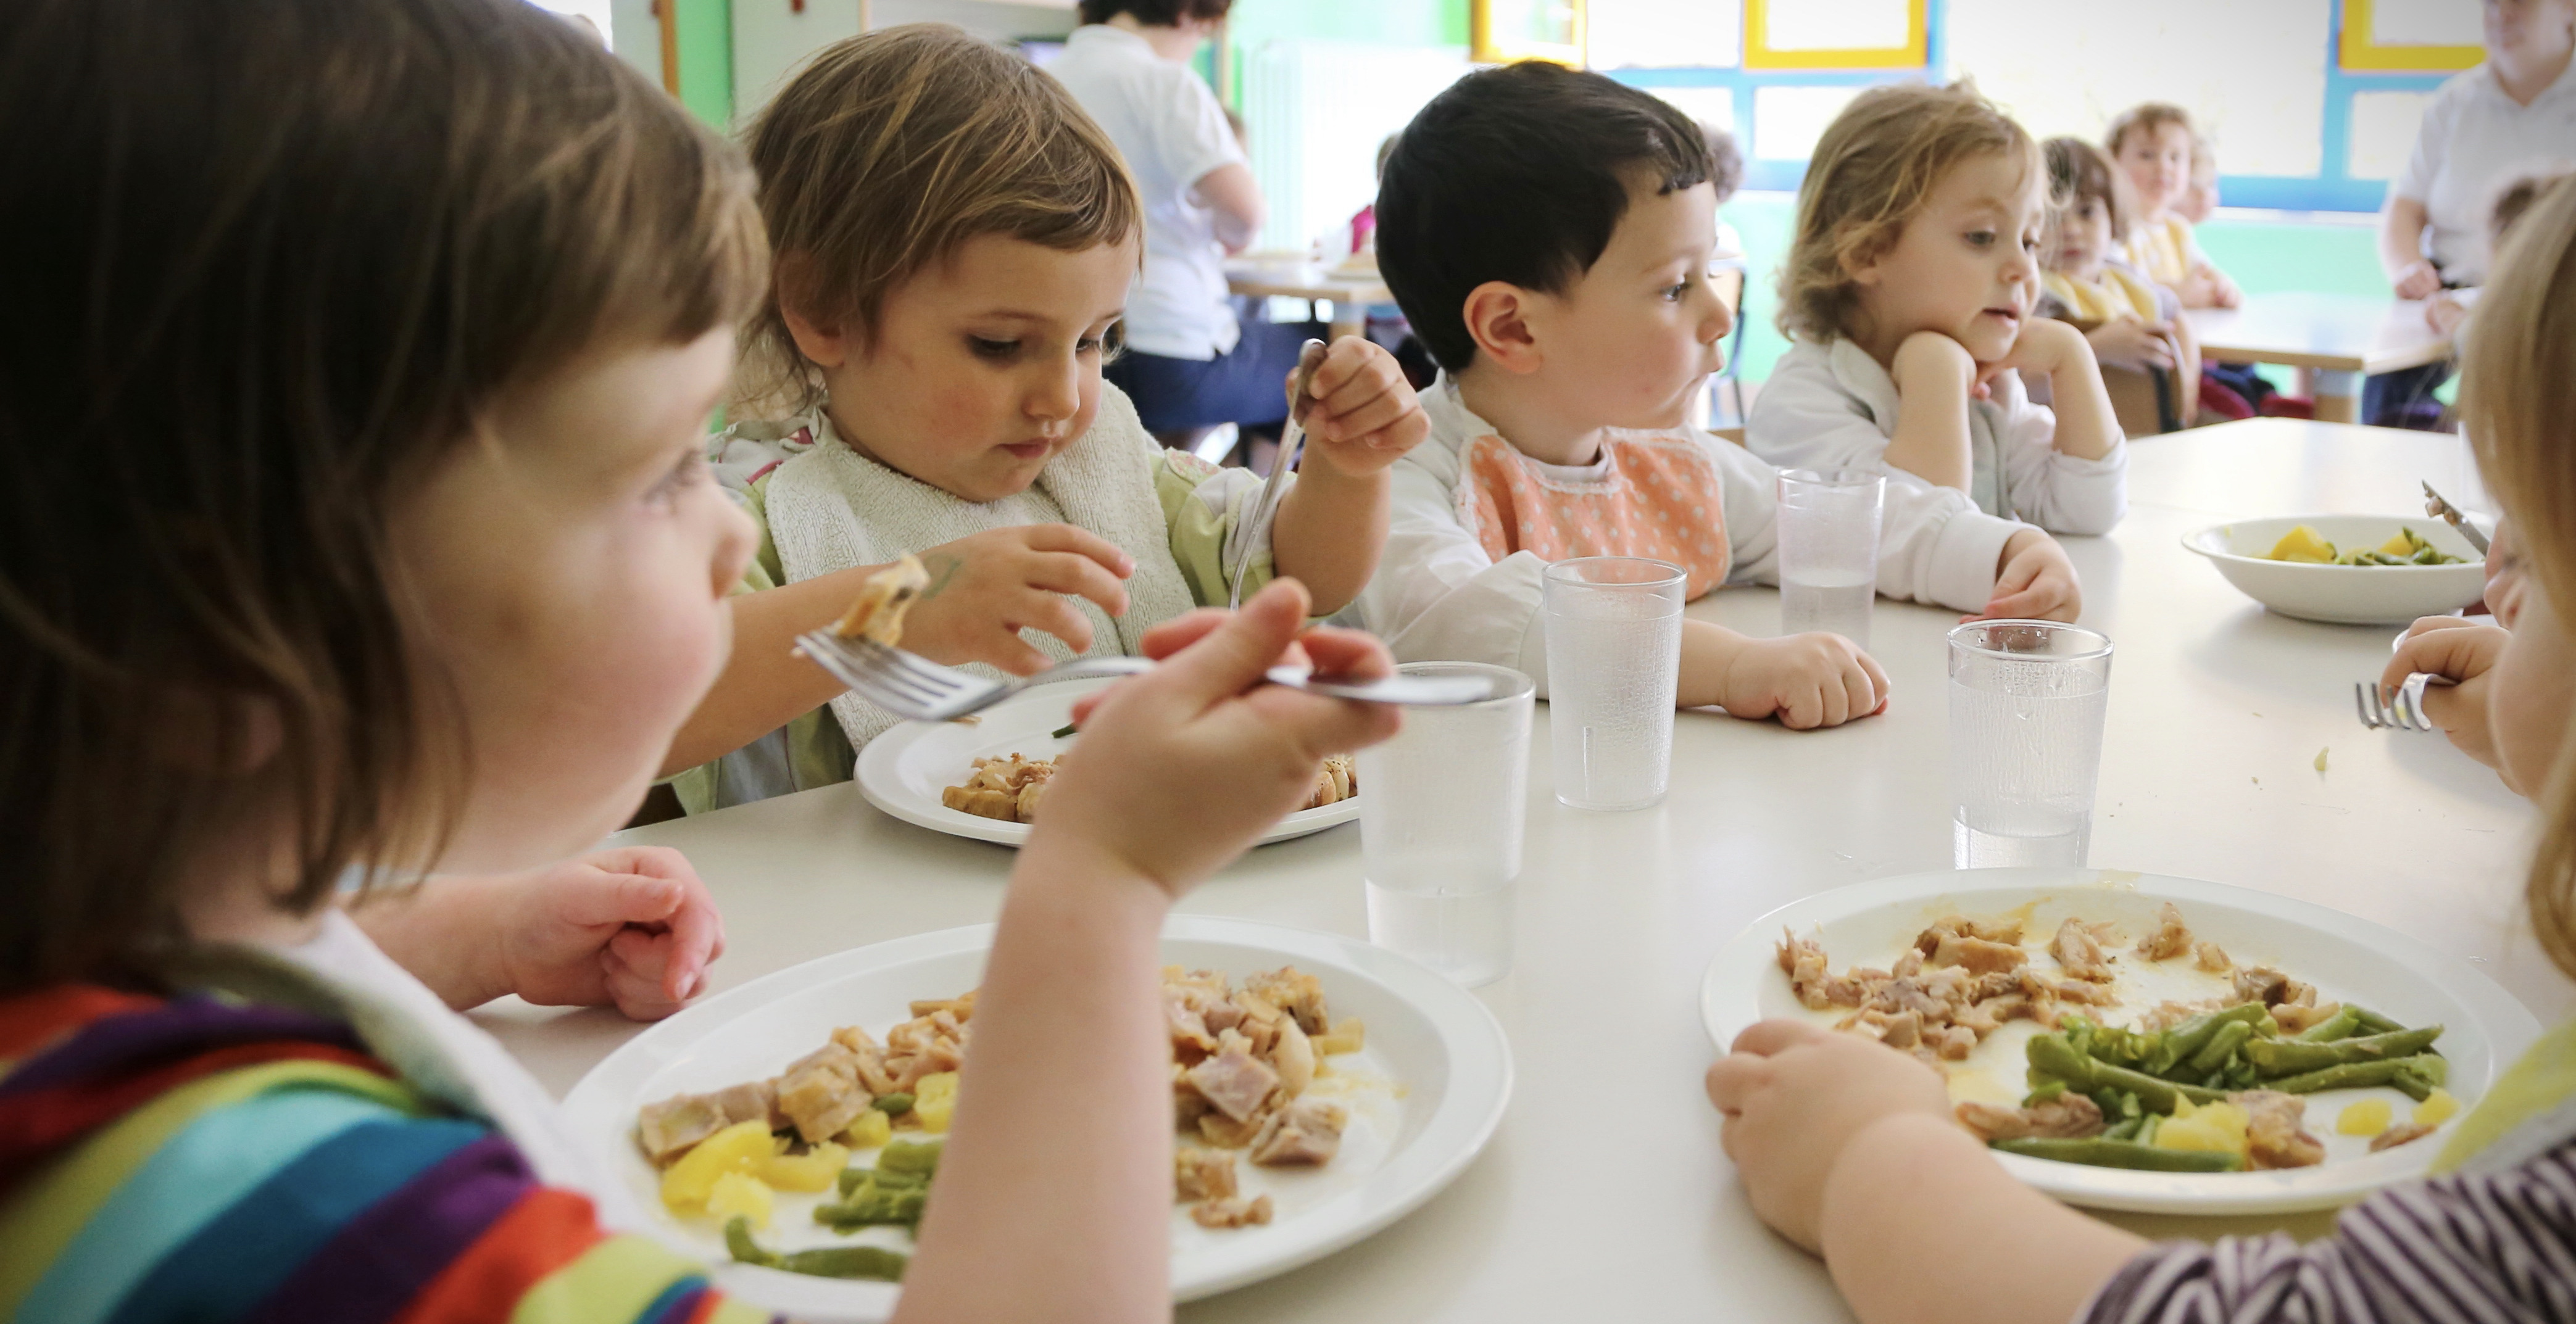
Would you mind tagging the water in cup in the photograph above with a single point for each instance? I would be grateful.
(1441, 809)
(1614, 655)
(1838, 602)
(2027, 701)
(1448, 914)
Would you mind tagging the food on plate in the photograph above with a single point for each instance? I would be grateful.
(1244, 1057)
(1009, 787)
(2405, 547)
(883, 599)
(2211, 1086)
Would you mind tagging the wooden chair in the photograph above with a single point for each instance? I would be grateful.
(2146, 403)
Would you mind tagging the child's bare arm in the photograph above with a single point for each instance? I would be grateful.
(1844, 1146)
(984, 589)
(1805, 680)
(1933, 376)
(2086, 427)
(1332, 525)
(1054, 1198)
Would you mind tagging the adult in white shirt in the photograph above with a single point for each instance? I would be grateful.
(1189, 362)
(2514, 112)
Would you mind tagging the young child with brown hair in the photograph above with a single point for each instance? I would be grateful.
(1550, 234)
(2134, 323)
(1840, 1142)
(397, 556)
(2155, 145)
(1909, 290)
(956, 243)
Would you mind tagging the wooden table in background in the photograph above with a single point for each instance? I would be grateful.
(1604, 1195)
(2335, 341)
(1295, 278)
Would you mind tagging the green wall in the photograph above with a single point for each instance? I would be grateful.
(1383, 22)
(706, 59)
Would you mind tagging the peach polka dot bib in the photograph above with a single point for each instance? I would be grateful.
(1655, 495)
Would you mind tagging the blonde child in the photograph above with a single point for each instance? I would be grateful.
(2199, 200)
(399, 554)
(2136, 323)
(1909, 290)
(2155, 145)
(1549, 234)
(1841, 1143)
(956, 241)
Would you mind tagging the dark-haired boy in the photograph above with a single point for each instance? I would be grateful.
(1548, 234)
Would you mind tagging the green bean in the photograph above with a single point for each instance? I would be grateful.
(745, 1250)
(2101, 1153)
(893, 1105)
(2345, 1023)
(847, 1262)
(2127, 1129)
(2412, 1084)
(2053, 1055)
(907, 1156)
(2043, 1092)
(873, 1204)
(2357, 1075)
(2373, 1021)
(1062, 731)
(2290, 1057)
(2188, 1038)
(2221, 1046)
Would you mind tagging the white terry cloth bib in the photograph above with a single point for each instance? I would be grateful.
(832, 508)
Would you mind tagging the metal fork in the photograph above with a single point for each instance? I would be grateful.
(2404, 710)
(1292, 444)
(2435, 505)
(910, 685)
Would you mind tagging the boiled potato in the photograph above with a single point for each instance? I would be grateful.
(740, 1194)
(741, 1147)
(2303, 544)
(872, 1130)
(814, 1170)
(934, 1100)
(2368, 1117)
(2438, 1107)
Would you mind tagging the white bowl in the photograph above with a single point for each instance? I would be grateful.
(2344, 594)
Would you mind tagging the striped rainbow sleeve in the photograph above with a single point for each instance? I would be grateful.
(198, 1160)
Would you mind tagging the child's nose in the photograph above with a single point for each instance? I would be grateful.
(1057, 393)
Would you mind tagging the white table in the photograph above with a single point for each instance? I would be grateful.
(1604, 1196)
(2334, 340)
(1349, 291)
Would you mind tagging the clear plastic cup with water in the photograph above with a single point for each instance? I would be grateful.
(1614, 662)
(1442, 806)
(2026, 706)
(1829, 522)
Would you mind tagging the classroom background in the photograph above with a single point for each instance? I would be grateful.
(2312, 104)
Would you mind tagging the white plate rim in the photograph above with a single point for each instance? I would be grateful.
(1478, 1088)
(882, 785)
(1729, 1001)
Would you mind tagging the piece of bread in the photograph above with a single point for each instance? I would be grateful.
(878, 613)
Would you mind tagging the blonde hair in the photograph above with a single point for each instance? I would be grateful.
(888, 151)
(2517, 400)
(1873, 170)
(2148, 117)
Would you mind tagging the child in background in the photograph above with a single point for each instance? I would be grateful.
(1840, 1141)
(2154, 144)
(1909, 292)
(337, 611)
(1548, 233)
(2199, 200)
(955, 243)
(2137, 324)
(1725, 176)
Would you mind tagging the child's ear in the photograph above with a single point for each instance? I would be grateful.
(1497, 315)
(823, 346)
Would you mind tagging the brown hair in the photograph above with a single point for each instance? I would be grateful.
(2079, 172)
(1873, 170)
(2515, 198)
(892, 148)
(2146, 117)
(2517, 395)
(279, 268)
(1152, 13)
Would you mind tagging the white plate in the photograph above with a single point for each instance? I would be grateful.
(2484, 1028)
(1424, 1097)
(903, 771)
(2344, 594)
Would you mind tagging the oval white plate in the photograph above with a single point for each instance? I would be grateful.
(903, 771)
(2484, 1027)
(1424, 1097)
(2344, 594)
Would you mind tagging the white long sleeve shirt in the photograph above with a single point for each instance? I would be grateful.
(1439, 596)
(1833, 407)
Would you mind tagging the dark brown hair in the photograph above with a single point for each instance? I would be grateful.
(1152, 13)
(1518, 174)
(284, 256)
(891, 149)
(1876, 167)
(2515, 198)
(2080, 172)
(2517, 400)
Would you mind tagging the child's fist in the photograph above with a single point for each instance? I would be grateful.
(2463, 654)
(1794, 1096)
(1364, 414)
(2034, 582)
(631, 926)
(1806, 680)
(987, 587)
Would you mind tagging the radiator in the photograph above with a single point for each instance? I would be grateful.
(1316, 112)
